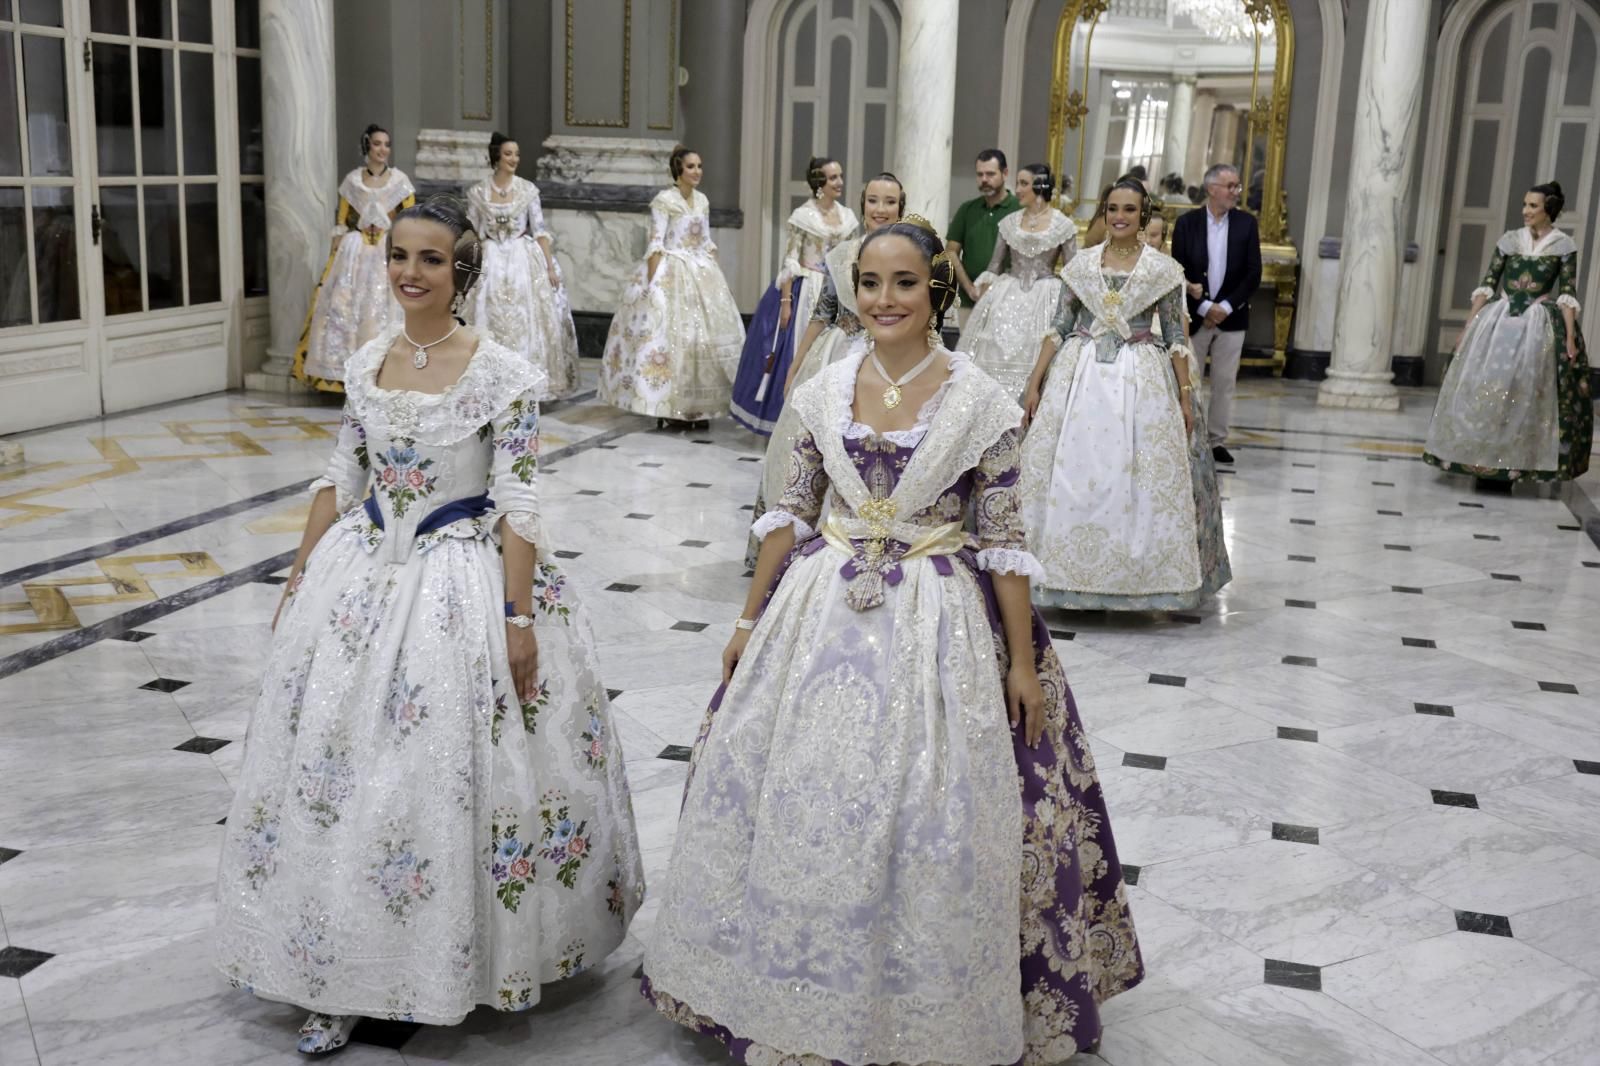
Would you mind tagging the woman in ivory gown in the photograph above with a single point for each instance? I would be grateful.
(871, 867)
(814, 229)
(674, 342)
(352, 303)
(432, 811)
(833, 327)
(1119, 488)
(1017, 304)
(1515, 403)
(520, 303)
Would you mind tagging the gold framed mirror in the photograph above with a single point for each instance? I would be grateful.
(1104, 112)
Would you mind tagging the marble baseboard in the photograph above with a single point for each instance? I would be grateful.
(1305, 365)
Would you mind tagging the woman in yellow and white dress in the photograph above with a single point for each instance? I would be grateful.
(1119, 489)
(353, 303)
(520, 302)
(675, 341)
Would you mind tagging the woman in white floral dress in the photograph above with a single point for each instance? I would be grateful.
(675, 340)
(432, 811)
(520, 303)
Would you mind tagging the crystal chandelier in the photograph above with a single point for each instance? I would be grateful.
(1224, 20)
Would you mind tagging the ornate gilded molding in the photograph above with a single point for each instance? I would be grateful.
(627, 75)
(672, 71)
(487, 113)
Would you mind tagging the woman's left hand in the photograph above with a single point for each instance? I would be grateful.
(555, 277)
(1572, 348)
(1025, 698)
(522, 648)
(1186, 405)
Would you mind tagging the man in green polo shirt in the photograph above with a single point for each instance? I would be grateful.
(976, 227)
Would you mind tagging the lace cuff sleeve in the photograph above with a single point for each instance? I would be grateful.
(1482, 290)
(514, 471)
(1569, 302)
(777, 519)
(1009, 561)
(348, 466)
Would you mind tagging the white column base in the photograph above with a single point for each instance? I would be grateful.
(451, 155)
(10, 453)
(606, 160)
(1370, 392)
(277, 375)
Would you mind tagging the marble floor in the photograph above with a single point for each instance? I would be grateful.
(1358, 795)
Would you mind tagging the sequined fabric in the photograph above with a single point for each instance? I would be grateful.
(1121, 505)
(410, 839)
(1512, 405)
(675, 340)
(860, 826)
(514, 302)
(353, 303)
(1003, 331)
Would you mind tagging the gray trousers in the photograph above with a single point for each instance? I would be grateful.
(1224, 350)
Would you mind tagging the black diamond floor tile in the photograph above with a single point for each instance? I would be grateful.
(694, 543)
(749, 458)
(567, 555)
(18, 962)
(222, 821)
(275, 579)
(202, 745)
(1584, 766)
(1302, 558)
(1299, 660)
(748, 573)
(589, 492)
(1384, 484)
(1469, 503)
(1302, 521)
(1062, 634)
(1310, 605)
(1175, 680)
(650, 465)
(638, 515)
(1484, 536)
(1187, 619)
(690, 627)
(701, 440)
(1558, 686)
(1417, 642)
(7, 854)
(1304, 492)
(1130, 873)
(1537, 627)
(1410, 590)
(675, 752)
(1304, 466)
(1291, 733)
(1591, 565)
(1443, 710)
(380, 1032)
(1293, 974)
(621, 586)
(1297, 834)
(133, 636)
(1491, 924)
(164, 684)
(1397, 547)
(1392, 514)
(1570, 529)
(1144, 762)
(699, 485)
(1454, 799)
(1505, 577)
(613, 693)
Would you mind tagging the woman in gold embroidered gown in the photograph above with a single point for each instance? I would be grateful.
(871, 867)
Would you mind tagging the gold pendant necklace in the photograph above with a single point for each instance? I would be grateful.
(892, 396)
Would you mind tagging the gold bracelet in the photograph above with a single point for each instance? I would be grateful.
(1185, 388)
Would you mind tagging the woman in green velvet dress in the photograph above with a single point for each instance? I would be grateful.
(1515, 403)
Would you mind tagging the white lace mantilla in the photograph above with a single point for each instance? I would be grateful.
(372, 203)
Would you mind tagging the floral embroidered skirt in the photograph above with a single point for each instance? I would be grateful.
(828, 899)
(408, 839)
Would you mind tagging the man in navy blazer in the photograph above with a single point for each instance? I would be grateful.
(1219, 248)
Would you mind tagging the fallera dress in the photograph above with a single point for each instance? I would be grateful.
(1121, 509)
(408, 838)
(871, 866)
(675, 341)
(768, 350)
(514, 303)
(1512, 405)
(836, 307)
(352, 303)
(1003, 331)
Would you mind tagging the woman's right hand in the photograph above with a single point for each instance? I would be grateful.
(733, 653)
(785, 312)
(290, 587)
(1030, 402)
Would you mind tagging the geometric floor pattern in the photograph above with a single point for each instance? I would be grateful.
(1357, 794)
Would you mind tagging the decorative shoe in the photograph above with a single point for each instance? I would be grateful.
(1220, 454)
(323, 1033)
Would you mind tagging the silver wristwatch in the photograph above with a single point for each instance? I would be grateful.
(521, 621)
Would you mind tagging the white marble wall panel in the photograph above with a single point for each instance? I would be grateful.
(599, 251)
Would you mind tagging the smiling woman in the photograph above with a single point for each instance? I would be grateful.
(418, 828)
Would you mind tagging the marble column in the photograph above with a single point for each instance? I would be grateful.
(925, 105)
(1180, 113)
(1385, 141)
(713, 97)
(297, 108)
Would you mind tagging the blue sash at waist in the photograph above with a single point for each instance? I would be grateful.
(441, 516)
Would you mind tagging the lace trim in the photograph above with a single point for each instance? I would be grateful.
(526, 524)
(342, 501)
(1569, 301)
(1010, 561)
(777, 520)
(494, 377)
(1482, 290)
(960, 365)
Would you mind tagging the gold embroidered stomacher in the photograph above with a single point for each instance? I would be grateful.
(874, 561)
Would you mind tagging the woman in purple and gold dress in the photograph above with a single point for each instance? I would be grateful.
(871, 867)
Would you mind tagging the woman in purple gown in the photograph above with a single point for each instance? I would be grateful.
(861, 819)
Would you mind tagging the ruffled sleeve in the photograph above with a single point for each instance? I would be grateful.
(803, 493)
(794, 244)
(657, 243)
(991, 273)
(348, 467)
(1491, 278)
(513, 476)
(1567, 284)
(1171, 313)
(1002, 543)
(536, 225)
